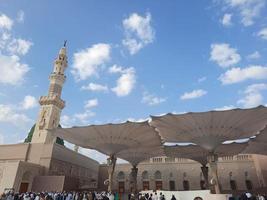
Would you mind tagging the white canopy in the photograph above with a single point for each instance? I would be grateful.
(199, 154)
(137, 155)
(210, 129)
(111, 138)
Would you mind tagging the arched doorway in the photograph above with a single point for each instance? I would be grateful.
(171, 183)
(248, 182)
(186, 184)
(233, 185)
(249, 185)
(158, 180)
(145, 180)
(121, 184)
(25, 182)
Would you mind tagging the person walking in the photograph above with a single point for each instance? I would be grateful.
(173, 197)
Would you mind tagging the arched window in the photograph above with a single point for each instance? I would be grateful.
(121, 175)
(145, 175)
(157, 175)
(186, 185)
(172, 185)
(249, 185)
(233, 185)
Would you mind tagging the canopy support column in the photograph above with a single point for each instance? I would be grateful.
(111, 162)
(213, 159)
(205, 172)
(134, 177)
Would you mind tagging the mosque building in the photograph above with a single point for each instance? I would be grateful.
(43, 164)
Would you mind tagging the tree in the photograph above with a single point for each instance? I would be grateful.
(28, 139)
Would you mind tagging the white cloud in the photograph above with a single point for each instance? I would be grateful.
(263, 33)
(138, 32)
(5, 22)
(151, 99)
(19, 46)
(95, 87)
(66, 121)
(5, 37)
(248, 9)
(87, 62)
(29, 102)
(202, 79)
(254, 55)
(91, 103)
(230, 107)
(193, 95)
(115, 69)
(9, 115)
(84, 117)
(256, 88)
(227, 19)
(253, 96)
(125, 82)
(12, 71)
(20, 16)
(224, 55)
(235, 75)
(81, 118)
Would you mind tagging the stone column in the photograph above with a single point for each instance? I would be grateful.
(205, 172)
(111, 162)
(213, 159)
(134, 179)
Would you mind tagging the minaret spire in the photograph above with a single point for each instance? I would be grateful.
(52, 104)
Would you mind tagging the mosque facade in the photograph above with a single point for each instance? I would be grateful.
(44, 165)
(236, 173)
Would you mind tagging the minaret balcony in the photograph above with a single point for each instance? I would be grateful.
(56, 76)
(52, 100)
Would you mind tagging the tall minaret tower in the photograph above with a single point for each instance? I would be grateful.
(52, 104)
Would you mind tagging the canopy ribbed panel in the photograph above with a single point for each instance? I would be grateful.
(137, 155)
(199, 154)
(258, 145)
(111, 138)
(210, 129)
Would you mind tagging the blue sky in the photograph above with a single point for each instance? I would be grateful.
(130, 59)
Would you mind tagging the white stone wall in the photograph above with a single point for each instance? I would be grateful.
(240, 167)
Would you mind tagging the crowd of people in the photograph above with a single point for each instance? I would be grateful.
(60, 196)
(105, 196)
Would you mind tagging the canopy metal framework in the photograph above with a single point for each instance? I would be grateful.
(199, 154)
(111, 139)
(211, 129)
(138, 141)
(137, 155)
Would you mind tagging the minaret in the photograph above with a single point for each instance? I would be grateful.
(52, 104)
